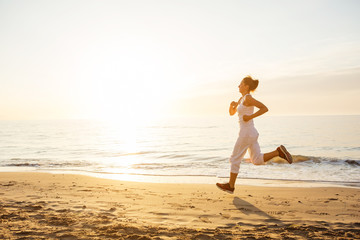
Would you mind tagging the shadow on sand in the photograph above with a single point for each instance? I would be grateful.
(248, 209)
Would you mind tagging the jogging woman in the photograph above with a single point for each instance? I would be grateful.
(248, 135)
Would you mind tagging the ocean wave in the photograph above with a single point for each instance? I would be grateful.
(150, 166)
(183, 127)
(134, 153)
(25, 159)
(213, 162)
(312, 159)
(352, 148)
(174, 156)
(353, 162)
(22, 165)
(297, 159)
(42, 163)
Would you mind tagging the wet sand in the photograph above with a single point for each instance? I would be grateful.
(64, 206)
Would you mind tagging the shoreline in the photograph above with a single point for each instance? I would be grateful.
(67, 206)
(191, 179)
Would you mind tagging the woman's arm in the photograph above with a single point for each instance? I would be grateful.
(250, 101)
(232, 108)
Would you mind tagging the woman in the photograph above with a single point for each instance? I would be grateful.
(248, 135)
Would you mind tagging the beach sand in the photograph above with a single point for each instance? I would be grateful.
(64, 206)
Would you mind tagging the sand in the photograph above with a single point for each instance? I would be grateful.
(64, 206)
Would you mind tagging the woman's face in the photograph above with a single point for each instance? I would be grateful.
(243, 88)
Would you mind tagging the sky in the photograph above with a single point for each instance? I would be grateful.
(142, 59)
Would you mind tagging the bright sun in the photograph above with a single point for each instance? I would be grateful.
(133, 87)
(126, 106)
(130, 103)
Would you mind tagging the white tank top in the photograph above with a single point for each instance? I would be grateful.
(247, 128)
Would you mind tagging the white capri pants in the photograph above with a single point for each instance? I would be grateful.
(242, 144)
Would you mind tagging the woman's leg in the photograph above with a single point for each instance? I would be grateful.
(258, 159)
(239, 151)
(270, 155)
(232, 180)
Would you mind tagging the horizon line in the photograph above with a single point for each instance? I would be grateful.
(177, 116)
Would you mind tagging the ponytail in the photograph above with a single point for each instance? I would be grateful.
(256, 83)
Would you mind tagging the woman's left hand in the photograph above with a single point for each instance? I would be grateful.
(247, 118)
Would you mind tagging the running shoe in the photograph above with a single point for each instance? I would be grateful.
(225, 187)
(283, 153)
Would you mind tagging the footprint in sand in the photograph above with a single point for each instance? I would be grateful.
(33, 196)
(323, 213)
(67, 237)
(79, 207)
(244, 209)
(205, 219)
(276, 212)
(63, 210)
(84, 190)
(33, 207)
(9, 184)
(160, 213)
(224, 215)
(347, 214)
(268, 198)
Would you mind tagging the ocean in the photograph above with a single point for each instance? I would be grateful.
(325, 148)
